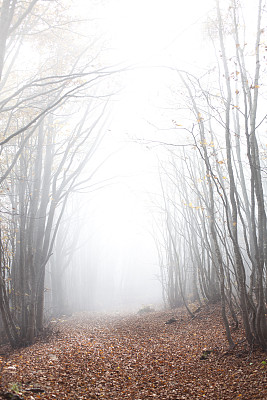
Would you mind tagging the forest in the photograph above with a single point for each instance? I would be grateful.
(74, 327)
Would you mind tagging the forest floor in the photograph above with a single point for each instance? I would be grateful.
(93, 356)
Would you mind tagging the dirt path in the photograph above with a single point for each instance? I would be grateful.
(137, 357)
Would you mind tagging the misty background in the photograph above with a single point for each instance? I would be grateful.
(115, 266)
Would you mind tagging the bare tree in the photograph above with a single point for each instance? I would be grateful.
(44, 153)
(227, 184)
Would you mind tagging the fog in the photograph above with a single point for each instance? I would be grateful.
(116, 257)
(116, 266)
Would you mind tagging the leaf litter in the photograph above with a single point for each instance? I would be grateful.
(138, 357)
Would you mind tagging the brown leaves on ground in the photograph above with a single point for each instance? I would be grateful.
(137, 357)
